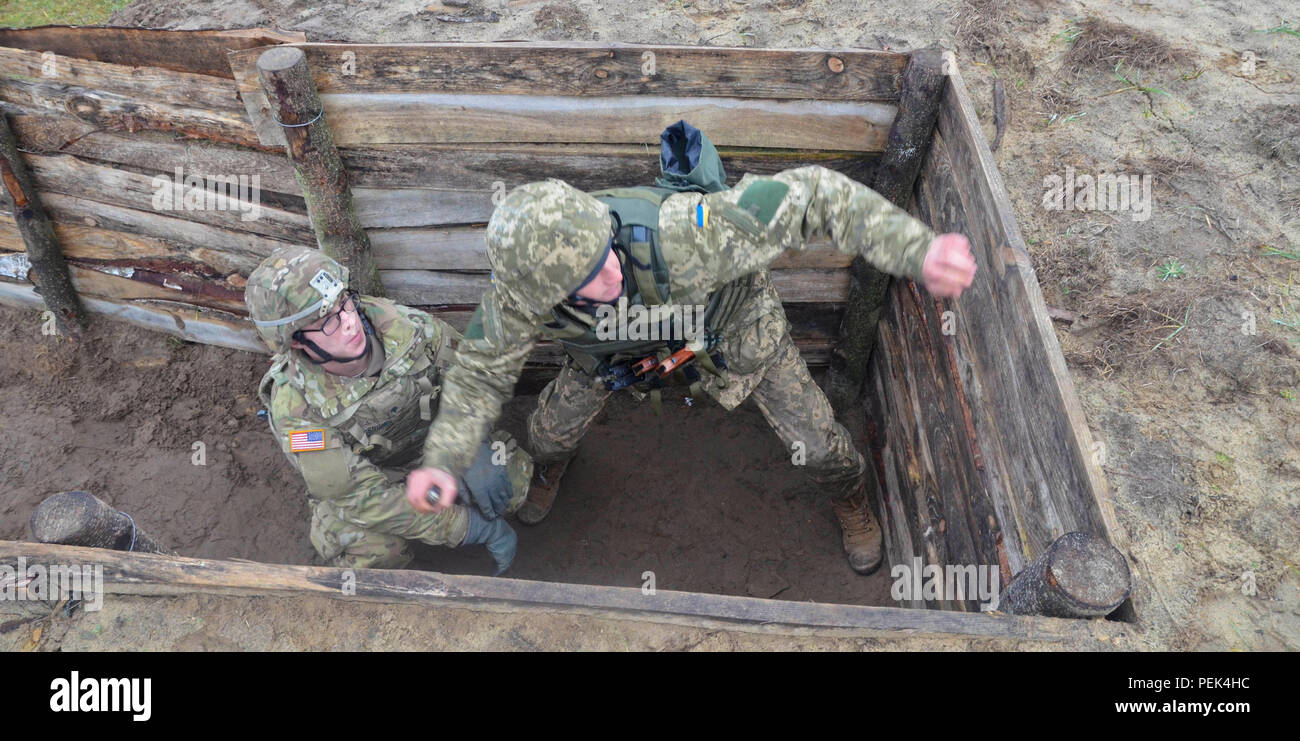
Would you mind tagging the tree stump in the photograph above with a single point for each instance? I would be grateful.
(1078, 576)
(80, 518)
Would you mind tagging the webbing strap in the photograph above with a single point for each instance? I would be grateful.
(642, 268)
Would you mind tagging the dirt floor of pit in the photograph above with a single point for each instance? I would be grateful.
(703, 500)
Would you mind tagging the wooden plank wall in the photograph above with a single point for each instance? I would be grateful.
(979, 443)
(429, 134)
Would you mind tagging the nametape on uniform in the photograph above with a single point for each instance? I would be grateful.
(301, 441)
(701, 215)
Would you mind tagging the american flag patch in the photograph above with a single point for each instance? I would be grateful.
(300, 441)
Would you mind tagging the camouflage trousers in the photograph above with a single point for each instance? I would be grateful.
(376, 531)
(785, 393)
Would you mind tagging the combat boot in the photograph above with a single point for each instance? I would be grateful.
(862, 536)
(541, 491)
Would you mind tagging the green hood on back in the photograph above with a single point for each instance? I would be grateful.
(689, 161)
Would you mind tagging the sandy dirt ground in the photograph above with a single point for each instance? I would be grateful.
(1180, 329)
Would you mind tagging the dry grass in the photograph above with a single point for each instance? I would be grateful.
(1139, 328)
(1102, 44)
(983, 27)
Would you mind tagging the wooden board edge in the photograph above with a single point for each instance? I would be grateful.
(139, 573)
(956, 99)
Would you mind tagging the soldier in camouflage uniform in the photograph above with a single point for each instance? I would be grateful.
(351, 392)
(549, 245)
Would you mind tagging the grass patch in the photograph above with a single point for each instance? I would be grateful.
(28, 13)
(1284, 28)
(1172, 269)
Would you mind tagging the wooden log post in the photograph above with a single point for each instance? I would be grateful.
(316, 164)
(43, 253)
(909, 141)
(81, 518)
(1078, 576)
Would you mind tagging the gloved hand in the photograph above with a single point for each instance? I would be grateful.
(497, 535)
(487, 484)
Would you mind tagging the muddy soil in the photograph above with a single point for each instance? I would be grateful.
(1199, 420)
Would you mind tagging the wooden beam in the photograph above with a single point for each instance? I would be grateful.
(548, 68)
(137, 573)
(43, 252)
(134, 80)
(482, 167)
(241, 208)
(429, 118)
(211, 328)
(309, 142)
(203, 52)
(112, 111)
(909, 137)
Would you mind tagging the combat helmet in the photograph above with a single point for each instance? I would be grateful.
(544, 241)
(292, 288)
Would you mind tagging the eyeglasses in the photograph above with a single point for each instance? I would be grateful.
(332, 321)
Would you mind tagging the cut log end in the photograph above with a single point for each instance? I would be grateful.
(81, 518)
(1077, 576)
(280, 59)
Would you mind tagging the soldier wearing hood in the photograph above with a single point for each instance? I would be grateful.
(558, 255)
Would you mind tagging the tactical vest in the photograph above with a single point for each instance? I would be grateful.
(645, 283)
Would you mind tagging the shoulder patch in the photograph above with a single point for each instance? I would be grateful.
(475, 329)
(763, 198)
(302, 441)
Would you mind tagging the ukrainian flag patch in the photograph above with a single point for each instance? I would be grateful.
(301, 441)
(701, 215)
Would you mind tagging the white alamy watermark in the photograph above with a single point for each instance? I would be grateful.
(1108, 191)
(78, 694)
(39, 582)
(932, 582)
(637, 322)
(191, 192)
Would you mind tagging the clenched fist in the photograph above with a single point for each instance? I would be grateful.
(949, 266)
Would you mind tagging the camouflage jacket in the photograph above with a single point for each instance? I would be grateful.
(364, 423)
(749, 226)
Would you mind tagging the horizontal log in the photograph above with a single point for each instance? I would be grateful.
(208, 327)
(466, 167)
(73, 176)
(420, 118)
(118, 112)
(92, 245)
(136, 573)
(594, 70)
(139, 82)
(225, 250)
(203, 52)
